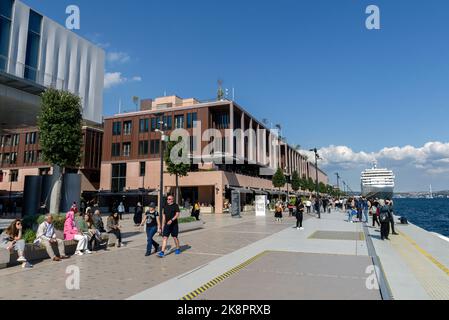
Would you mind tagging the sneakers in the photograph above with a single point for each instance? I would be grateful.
(301, 228)
(161, 254)
(177, 251)
(87, 251)
(147, 254)
(78, 253)
(27, 265)
(297, 228)
(21, 259)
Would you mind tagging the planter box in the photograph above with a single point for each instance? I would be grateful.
(190, 226)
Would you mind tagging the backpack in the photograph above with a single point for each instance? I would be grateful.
(404, 220)
(384, 216)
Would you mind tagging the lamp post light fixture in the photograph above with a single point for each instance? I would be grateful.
(162, 149)
(317, 186)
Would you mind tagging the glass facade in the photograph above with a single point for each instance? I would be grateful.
(5, 31)
(118, 182)
(33, 46)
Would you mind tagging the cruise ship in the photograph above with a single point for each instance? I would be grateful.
(377, 183)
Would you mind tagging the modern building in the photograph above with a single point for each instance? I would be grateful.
(21, 156)
(243, 162)
(37, 53)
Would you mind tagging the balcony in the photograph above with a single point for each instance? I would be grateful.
(20, 76)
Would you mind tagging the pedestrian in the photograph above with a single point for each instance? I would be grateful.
(71, 232)
(138, 212)
(113, 227)
(365, 209)
(374, 210)
(309, 206)
(98, 221)
(46, 236)
(152, 223)
(299, 215)
(389, 203)
(170, 225)
(196, 210)
(278, 212)
(384, 218)
(11, 239)
(121, 210)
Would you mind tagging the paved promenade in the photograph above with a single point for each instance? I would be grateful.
(250, 258)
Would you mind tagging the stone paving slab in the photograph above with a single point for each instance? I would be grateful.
(297, 276)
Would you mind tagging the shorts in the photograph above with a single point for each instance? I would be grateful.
(172, 230)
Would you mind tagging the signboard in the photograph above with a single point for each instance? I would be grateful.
(261, 205)
(235, 204)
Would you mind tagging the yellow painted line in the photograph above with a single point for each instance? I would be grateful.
(221, 278)
(440, 266)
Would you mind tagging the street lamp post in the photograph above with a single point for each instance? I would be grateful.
(317, 186)
(338, 181)
(161, 183)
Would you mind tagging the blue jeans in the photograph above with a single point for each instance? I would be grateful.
(151, 231)
(365, 214)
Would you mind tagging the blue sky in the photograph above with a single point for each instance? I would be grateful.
(310, 65)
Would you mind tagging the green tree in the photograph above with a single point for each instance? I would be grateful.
(279, 180)
(296, 181)
(311, 186)
(60, 135)
(304, 183)
(322, 188)
(176, 169)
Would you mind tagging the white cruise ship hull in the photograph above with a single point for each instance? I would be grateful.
(380, 192)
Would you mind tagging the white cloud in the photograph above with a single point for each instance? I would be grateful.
(117, 57)
(112, 79)
(432, 158)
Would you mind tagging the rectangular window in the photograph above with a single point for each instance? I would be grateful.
(115, 150)
(14, 176)
(179, 122)
(118, 180)
(13, 158)
(44, 171)
(126, 149)
(127, 127)
(116, 128)
(5, 31)
(15, 140)
(155, 124)
(191, 118)
(33, 45)
(142, 169)
(192, 141)
(168, 125)
(154, 147)
(143, 125)
(31, 138)
(143, 148)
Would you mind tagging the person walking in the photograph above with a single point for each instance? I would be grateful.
(309, 205)
(365, 209)
(384, 218)
(170, 225)
(278, 212)
(152, 223)
(196, 210)
(389, 203)
(121, 210)
(374, 210)
(299, 215)
(138, 212)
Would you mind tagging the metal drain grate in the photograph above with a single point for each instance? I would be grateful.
(338, 235)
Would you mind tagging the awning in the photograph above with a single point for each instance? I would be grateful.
(129, 193)
(276, 193)
(241, 190)
(258, 191)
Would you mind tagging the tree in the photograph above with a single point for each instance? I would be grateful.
(178, 170)
(296, 181)
(279, 180)
(304, 183)
(322, 187)
(311, 186)
(60, 136)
